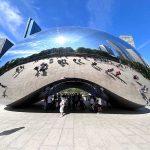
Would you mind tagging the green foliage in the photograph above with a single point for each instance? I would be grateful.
(95, 53)
(74, 90)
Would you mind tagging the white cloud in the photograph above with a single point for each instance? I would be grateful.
(10, 17)
(3, 35)
(101, 13)
(31, 8)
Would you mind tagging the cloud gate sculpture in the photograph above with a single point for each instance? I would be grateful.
(65, 57)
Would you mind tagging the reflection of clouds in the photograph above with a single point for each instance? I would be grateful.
(21, 52)
(34, 44)
(50, 42)
(29, 43)
(75, 39)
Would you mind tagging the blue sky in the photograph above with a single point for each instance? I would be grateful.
(118, 17)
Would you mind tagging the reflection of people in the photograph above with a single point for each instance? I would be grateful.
(62, 105)
(135, 77)
(148, 101)
(118, 73)
(109, 70)
(143, 91)
(37, 71)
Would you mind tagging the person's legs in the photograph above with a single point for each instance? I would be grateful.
(62, 113)
(99, 109)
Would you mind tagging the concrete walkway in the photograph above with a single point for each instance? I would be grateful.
(121, 130)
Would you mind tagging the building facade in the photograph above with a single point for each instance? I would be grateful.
(31, 28)
(5, 44)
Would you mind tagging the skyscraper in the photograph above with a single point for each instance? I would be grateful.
(106, 49)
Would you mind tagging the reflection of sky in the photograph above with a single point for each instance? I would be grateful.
(57, 37)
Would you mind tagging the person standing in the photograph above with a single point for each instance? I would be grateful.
(76, 100)
(49, 101)
(92, 102)
(99, 105)
(45, 102)
(86, 102)
(62, 105)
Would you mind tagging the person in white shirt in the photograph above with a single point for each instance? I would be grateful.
(86, 102)
(99, 101)
(62, 105)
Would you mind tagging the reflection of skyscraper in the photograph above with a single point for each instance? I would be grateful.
(103, 48)
(136, 57)
(118, 50)
(106, 49)
(5, 44)
(133, 53)
(129, 39)
(31, 28)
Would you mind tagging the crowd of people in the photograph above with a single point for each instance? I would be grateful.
(74, 102)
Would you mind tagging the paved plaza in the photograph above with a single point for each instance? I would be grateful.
(37, 130)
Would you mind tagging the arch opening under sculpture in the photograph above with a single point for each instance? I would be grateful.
(62, 84)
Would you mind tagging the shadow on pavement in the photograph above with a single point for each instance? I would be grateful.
(11, 131)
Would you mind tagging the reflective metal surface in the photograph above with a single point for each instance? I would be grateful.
(23, 79)
(73, 37)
